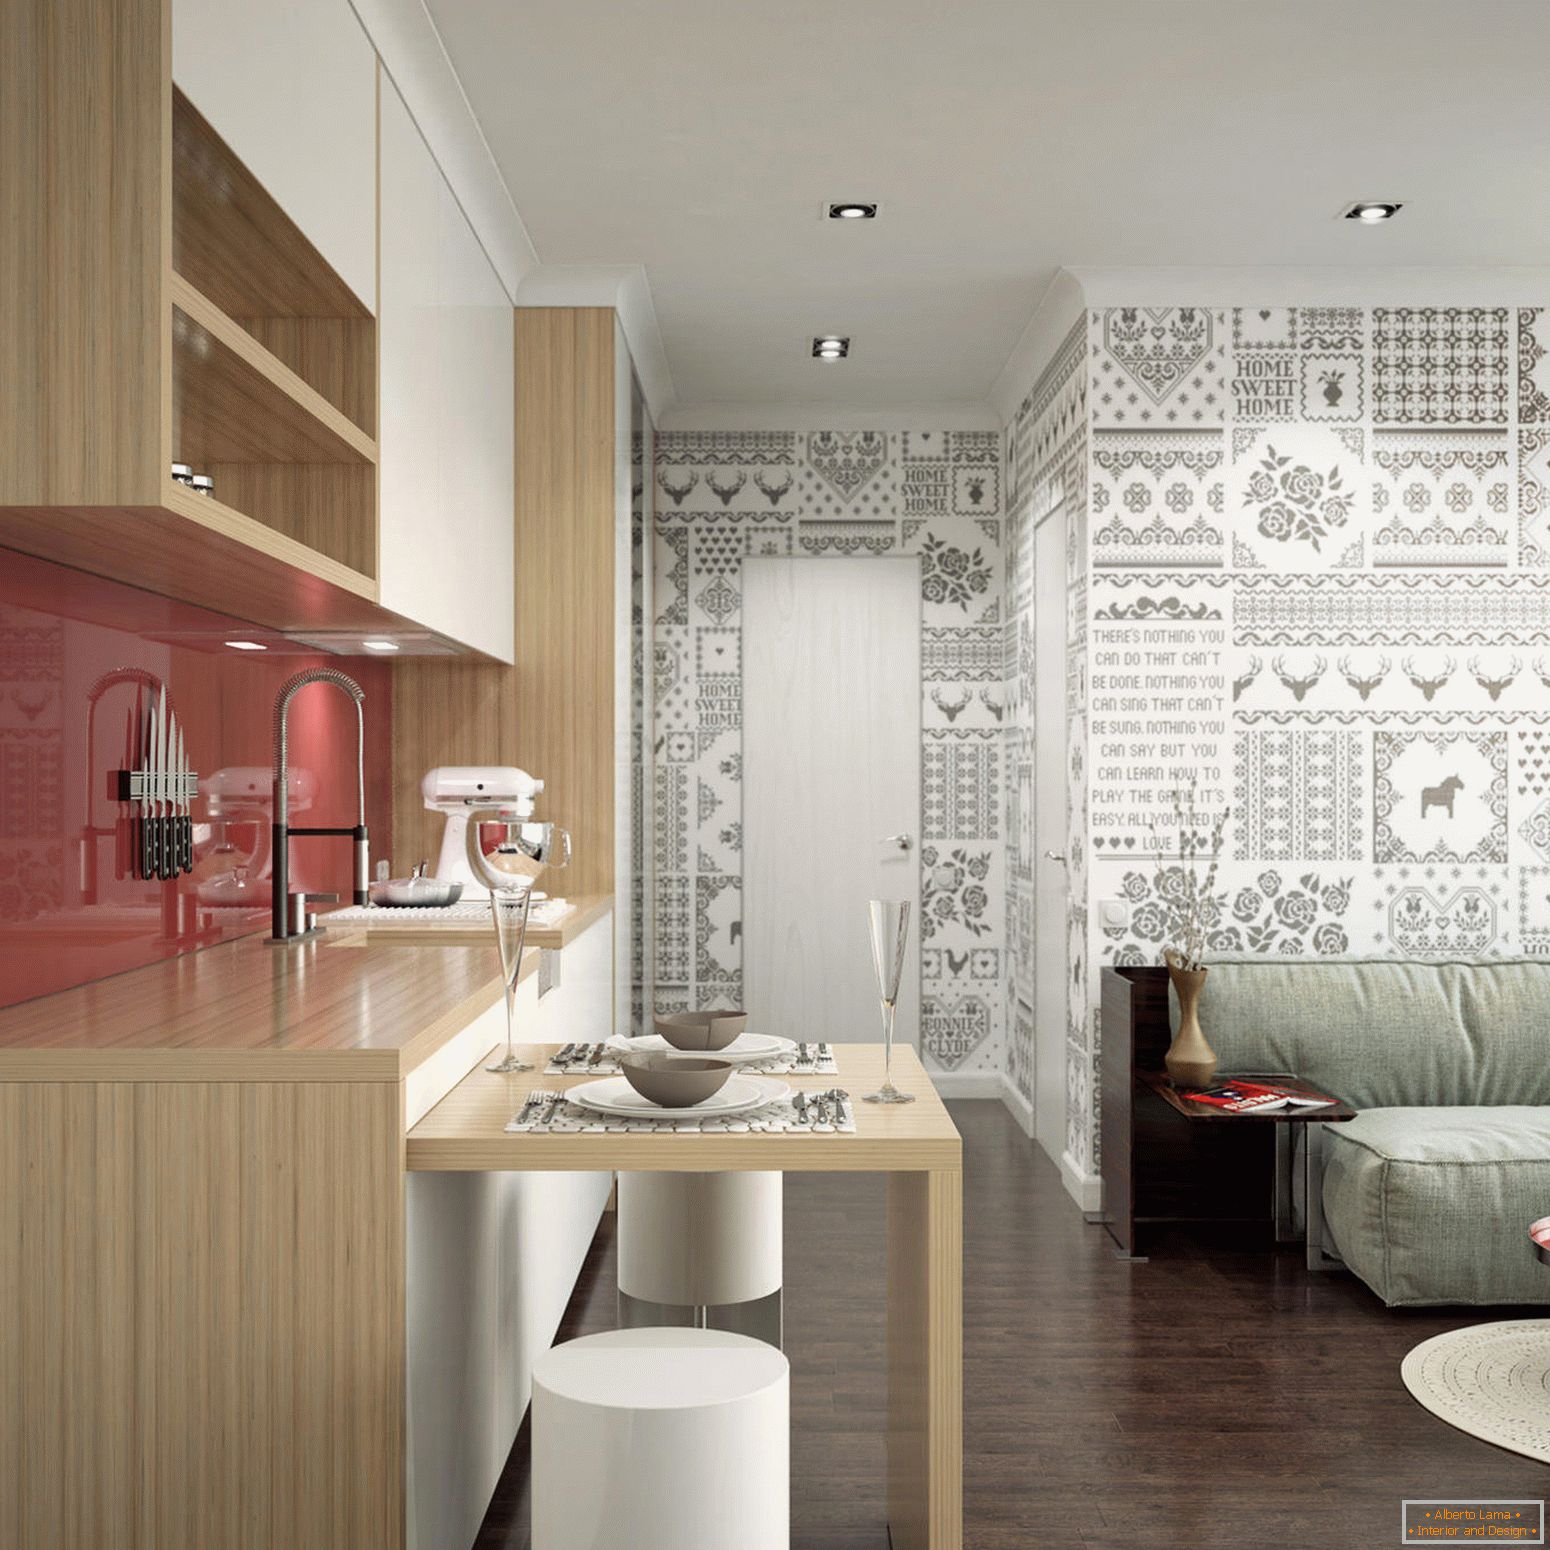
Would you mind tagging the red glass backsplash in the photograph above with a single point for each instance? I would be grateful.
(69, 909)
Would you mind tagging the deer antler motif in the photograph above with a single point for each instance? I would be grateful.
(772, 490)
(1242, 682)
(1299, 686)
(727, 491)
(1428, 686)
(1364, 686)
(995, 707)
(949, 708)
(1494, 686)
(1543, 669)
(678, 492)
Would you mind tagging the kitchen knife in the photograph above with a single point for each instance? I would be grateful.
(147, 828)
(163, 870)
(188, 805)
(125, 835)
(178, 867)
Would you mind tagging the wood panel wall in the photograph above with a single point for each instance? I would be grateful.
(203, 1341)
(85, 251)
(553, 713)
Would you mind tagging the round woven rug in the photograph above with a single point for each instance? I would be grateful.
(1491, 1380)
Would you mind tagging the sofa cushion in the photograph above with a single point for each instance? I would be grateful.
(1433, 1205)
(1382, 1033)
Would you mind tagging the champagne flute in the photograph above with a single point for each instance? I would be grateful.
(510, 908)
(509, 872)
(890, 926)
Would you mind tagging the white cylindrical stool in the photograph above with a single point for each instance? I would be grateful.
(700, 1238)
(661, 1439)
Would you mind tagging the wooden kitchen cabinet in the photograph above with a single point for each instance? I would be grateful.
(291, 87)
(162, 306)
(446, 524)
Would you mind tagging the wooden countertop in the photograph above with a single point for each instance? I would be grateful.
(466, 1130)
(341, 1007)
(351, 1005)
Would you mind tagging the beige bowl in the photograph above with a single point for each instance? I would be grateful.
(701, 1030)
(675, 1081)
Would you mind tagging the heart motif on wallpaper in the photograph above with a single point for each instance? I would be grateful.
(1533, 763)
(952, 1028)
(1158, 346)
(847, 460)
(1421, 925)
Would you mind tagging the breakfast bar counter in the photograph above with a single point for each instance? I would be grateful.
(915, 1144)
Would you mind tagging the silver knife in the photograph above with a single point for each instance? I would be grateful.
(183, 851)
(174, 796)
(163, 871)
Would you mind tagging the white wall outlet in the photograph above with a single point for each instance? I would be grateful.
(1114, 913)
(548, 970)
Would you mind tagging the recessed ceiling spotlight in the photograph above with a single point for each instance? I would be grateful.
(380, 645)
(831, 347)
(1371, 211)
(246, 645)
(852, 211)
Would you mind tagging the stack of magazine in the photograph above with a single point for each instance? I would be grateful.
(1253, 1095)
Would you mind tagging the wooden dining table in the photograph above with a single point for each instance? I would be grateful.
(916, 1145)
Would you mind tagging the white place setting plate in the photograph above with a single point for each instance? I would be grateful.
(614, 1095)
(746, 1049)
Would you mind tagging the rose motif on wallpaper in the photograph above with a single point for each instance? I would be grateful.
(1270, 915)
(952, 575)
(1295, 502)
(953, 890)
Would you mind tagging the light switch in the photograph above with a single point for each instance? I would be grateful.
(1114, 913)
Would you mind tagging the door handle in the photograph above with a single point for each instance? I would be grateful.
(1054, 855)
(903, 841)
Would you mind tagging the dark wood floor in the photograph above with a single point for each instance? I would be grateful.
(1213, 1397)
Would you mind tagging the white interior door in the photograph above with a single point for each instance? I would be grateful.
(1049, 803)
(831, 789)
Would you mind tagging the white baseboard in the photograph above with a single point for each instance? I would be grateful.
(1086, 1189)
(1017, 1106)
(967, 1084)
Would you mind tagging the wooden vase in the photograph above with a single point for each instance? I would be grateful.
(1191, 1062)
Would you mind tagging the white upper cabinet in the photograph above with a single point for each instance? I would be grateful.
(446, 382)
(291, 87)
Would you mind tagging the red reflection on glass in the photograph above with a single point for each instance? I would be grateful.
(81, 661)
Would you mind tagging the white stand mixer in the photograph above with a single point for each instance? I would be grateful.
(458, 790)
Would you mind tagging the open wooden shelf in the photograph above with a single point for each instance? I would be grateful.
(242, 403)
(278, 451)
(236, 247)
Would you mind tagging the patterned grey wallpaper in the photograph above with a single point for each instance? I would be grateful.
(721, 496)
(1320, 550)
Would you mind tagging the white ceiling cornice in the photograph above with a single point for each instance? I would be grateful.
(412, 54)
(829, 417)
(1058, 308)
(1249, 285)
(625, 288)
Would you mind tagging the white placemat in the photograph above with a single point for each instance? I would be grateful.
(552, 1115)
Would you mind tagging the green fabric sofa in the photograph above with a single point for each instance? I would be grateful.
(1429, 1191)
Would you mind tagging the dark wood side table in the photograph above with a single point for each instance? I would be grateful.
(1296, 1131)
(1166, 1159)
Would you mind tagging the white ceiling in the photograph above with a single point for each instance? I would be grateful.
(1003, 139)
